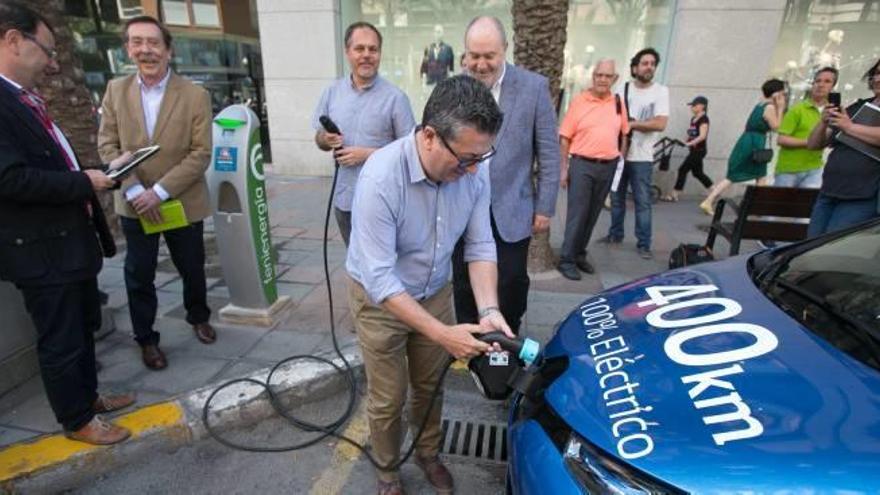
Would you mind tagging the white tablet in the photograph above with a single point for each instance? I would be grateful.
(137, 158)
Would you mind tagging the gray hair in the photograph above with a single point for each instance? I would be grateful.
(495, 23)
(461, 101)
(605, 61)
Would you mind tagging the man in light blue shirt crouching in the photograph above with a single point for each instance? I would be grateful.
(415, 198)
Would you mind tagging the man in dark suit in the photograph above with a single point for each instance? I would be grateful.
(52, 231)
(528, 134)
(438, 61)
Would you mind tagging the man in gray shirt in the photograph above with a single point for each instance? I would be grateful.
(416, 198)
(369, 111)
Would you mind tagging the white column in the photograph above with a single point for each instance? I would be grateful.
(720, 49)
(301, 48)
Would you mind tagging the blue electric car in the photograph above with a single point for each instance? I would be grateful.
(756, 374)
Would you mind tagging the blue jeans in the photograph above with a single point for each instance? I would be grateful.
(811, 179)
(831, 214)
(637, 176)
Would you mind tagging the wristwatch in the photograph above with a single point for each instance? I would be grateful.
(484, 312)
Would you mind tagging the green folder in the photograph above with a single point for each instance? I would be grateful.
(173, 217)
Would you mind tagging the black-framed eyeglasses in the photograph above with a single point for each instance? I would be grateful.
(50, 52)
(463, 164)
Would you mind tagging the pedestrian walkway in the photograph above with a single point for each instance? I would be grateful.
(297, 209)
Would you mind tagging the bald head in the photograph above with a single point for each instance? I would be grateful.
(604, 77)
(485, 26)
(485, 45)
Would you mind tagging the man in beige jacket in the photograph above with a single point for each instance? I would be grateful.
(156, 106)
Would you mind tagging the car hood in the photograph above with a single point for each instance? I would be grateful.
(752, 399)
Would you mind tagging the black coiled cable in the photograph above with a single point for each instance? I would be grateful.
(323, 430)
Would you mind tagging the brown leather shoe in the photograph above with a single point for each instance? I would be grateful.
(438, 476)
(391, 488)
(153, 357)
(109, 403)
(99, 432)
(205, 333)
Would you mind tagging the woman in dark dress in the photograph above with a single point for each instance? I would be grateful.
(741, 166)
(851, 179)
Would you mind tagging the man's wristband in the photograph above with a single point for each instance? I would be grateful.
(484, 312)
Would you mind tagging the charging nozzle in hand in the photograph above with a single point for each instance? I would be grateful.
(330, 127)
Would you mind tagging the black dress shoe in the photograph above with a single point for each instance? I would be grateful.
(569, 271)
(153, 357)
(205, 333)
(585, 266)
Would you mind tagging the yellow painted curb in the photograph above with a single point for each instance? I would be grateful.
(46, 451)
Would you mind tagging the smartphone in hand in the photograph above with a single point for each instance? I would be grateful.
(834, 99)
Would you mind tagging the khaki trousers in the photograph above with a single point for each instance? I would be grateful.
(396, 355)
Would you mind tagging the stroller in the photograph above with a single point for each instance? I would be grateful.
(662, 155)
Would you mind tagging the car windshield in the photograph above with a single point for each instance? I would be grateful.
(832, 289)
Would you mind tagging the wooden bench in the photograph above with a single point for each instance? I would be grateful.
(766, 213)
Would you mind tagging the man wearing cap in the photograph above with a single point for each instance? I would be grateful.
(697, 133)
(798, 166)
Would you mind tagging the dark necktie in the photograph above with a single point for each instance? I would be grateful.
(38, 106)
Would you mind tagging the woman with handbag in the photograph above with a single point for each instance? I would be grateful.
(749, 158)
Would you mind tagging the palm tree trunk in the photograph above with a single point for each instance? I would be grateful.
(539, 34)
(68, 99)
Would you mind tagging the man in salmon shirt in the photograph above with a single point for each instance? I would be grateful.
(590, 139)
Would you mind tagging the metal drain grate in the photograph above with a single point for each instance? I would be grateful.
(486, 441)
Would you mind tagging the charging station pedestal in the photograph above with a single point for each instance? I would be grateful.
(241, 220)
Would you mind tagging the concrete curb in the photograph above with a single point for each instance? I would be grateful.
(53, 463)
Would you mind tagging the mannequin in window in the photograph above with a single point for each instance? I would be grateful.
(438, 61)
(828, 55)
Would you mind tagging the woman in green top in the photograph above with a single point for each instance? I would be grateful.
(741, 166)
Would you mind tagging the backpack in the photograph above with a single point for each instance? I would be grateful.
(689, 254)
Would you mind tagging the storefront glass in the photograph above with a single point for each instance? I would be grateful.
(819, 33)
(613, 29)
(424, 40)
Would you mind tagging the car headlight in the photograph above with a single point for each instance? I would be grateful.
(597, 472)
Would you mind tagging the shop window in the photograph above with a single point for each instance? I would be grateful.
(819, 33)
(596, 29)
(414, 31)
(614, 29)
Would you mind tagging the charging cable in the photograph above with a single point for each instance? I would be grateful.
(329, 429)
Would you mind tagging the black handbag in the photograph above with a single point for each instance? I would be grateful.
(762, 155)
(689, 254)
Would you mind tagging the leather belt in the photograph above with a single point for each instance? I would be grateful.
(597, 160)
